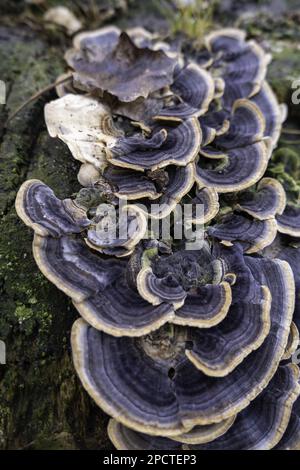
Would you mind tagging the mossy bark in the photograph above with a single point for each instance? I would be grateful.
(42, 403)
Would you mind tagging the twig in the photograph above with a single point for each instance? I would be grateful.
(291, 131)
(290, 142)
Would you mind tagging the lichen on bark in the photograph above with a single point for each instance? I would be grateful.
(42, 404)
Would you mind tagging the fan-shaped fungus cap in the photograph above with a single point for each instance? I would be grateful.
(264, 202)
(189, 397)
(260, 426)
(179, 181)
(240, 118)
(159, 191)
(246, 126)
(209, 200)
(119, 237)
(124, 438)
(238, 169)
(194, 88)
(292, 256)
(97, 285)
(84, 124)
(249, 109)
(167, 145)
(39, 208)
(212, 124)
(188, 281)
(274, 113)
(289, 221)
(244, 63)
(253, 234)
(129, 184)
(291, 437)
(126, 71)
(293, 342)
(96, 45)
(218, 351)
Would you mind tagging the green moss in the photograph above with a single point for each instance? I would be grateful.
(283, 70)
(191, 20)
(60, 441)
(285, 167)
(27, 68)
(40, 396)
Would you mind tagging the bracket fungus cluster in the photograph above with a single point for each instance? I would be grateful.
(184, 348)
